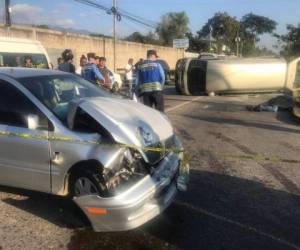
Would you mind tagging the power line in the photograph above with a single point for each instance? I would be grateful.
(138, 17)
(119, 13)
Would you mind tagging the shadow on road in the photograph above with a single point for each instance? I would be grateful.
(218, 212)
(60, 211)
(240, 122)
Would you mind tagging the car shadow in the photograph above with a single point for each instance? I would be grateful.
(61, 211)
(287, 117)
(218, 212)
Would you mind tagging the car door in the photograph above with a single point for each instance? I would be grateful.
(24, 152)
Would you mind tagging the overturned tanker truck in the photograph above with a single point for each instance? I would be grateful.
(227, 76)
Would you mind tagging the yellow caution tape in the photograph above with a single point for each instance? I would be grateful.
(72, 140)
(187, 157)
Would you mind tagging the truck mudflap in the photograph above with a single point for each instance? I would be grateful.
(141, 202)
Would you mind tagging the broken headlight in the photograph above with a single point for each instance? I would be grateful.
(130, 169)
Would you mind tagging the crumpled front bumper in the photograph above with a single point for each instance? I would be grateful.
(140, 203)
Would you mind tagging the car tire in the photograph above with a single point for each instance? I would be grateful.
(87, 182)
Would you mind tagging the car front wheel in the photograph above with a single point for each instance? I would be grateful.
(87, 183)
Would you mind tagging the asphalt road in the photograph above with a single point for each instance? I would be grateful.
(244, 188)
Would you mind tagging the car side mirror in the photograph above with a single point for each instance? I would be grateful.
(32, 122)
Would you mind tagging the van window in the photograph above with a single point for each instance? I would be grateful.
(19, 60)
(297, 78)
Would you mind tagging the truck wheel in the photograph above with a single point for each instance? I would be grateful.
(87, 182)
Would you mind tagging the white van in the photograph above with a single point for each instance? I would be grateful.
(14, 52)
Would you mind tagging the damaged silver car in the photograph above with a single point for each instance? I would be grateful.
(119, 160)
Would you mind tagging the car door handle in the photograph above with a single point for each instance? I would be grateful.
(56, 157)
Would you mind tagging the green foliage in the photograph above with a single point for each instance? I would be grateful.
(140, 38)
(196, 44)
(224, 30)
(291, 42)
(257, 25)
(99, 35)
(172, 26)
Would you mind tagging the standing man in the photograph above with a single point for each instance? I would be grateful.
(150, 81)
(91, 71)
(106, 73)
(129, 69)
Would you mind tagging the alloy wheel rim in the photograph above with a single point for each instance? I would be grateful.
(84, 186)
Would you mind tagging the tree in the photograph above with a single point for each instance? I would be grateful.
(196, 44)
(224, 30)
(252, 26)
(140, 38)
(257, 25)
(173, 25)
(136, 37)
(291, 42)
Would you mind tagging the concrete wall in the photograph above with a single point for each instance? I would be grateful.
(55, 42)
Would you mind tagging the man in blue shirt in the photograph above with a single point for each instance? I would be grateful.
(91, 71)
(150, 81)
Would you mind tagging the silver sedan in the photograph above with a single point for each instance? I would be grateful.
(119, 160)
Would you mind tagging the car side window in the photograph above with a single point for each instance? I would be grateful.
(15, 108)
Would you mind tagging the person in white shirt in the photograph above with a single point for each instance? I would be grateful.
(83, 62)
(129, 71)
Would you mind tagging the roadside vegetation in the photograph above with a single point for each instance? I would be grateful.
(221, 33)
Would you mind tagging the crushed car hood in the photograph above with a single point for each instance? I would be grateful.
(123, 118)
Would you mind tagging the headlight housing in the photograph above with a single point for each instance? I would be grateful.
(146, 135)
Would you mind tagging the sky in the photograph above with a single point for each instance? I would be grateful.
(71, 14)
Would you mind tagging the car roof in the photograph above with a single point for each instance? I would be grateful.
(16, 73)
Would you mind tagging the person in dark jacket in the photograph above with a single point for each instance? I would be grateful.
(150, 81)
(67, 65)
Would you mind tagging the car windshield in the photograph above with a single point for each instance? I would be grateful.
(19, 60)
(58, 91)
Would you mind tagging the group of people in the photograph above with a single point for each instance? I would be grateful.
(145, 79)
(92, 68)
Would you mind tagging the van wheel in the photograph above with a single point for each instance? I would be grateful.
(87, 182)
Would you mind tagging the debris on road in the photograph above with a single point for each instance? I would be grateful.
(278, 103)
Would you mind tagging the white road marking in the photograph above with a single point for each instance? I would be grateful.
(238, 224)
(183, 104)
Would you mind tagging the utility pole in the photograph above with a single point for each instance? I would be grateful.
(210, 37)
(7, 16)
(7, 13)
(237, 40)
(115, 38)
